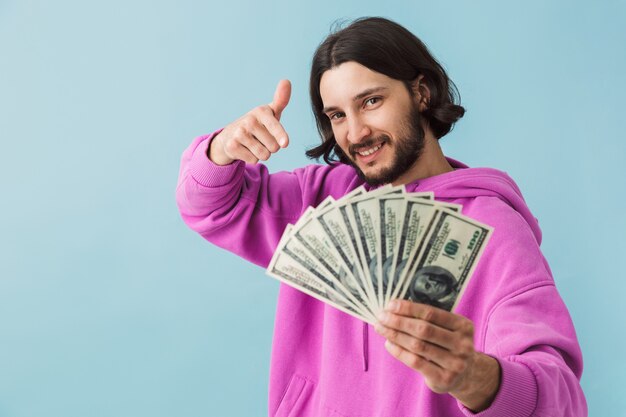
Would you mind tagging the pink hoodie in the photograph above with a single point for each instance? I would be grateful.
(326, 363)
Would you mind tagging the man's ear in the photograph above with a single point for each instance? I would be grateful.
(421, 93)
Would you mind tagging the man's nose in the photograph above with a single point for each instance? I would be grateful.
(357, 130)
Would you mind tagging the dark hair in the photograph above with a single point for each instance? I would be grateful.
(390, 49)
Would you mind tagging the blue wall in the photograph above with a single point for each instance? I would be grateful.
(110, 306)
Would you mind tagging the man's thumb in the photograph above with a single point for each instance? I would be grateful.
(281, 97)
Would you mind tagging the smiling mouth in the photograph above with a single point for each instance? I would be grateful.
(371, 150)
(368, 149)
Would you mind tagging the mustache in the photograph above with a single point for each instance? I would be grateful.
(367, 143)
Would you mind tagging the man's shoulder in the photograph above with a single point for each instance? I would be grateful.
(318, 181)
(496, 212)
(337, 173)
(336, 169)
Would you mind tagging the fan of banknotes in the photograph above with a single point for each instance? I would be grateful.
(367, 248)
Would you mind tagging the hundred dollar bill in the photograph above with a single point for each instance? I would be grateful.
(297, 250)
(291, 265)
(418, 217)
(364, 214)
(391, 209)
(450, 206)
(310, 211)
(320, 246)
(439, 274)
(331, 219)
(291, 273)
(424, 195)
(337, 226)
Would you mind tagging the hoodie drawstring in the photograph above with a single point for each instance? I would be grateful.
(365, 347)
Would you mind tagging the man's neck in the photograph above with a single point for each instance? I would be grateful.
(430, 163)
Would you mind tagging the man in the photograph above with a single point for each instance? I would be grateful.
(381, 103)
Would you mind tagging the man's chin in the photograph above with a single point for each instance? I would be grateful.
(376, 178)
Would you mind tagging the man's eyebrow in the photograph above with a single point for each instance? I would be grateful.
(359, 96)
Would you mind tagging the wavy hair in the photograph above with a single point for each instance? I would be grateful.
(390, 49)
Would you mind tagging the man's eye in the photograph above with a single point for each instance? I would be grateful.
(372, 100)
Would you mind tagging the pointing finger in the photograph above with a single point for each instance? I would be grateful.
(273, 126)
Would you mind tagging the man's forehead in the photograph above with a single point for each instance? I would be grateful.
(347, 81)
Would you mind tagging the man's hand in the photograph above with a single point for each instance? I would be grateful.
(440, 345)
(256, 135)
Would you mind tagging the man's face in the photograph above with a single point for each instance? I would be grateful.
(375, 121)
(431, 285)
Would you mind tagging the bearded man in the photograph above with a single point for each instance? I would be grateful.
(382, 102)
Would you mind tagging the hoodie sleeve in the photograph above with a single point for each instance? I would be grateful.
(238, 207)
(541, 361)
(527, 326)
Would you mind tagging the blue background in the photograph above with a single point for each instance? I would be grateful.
(111, 306)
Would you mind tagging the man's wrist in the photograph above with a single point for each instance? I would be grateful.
(482, 385)
(215, 152)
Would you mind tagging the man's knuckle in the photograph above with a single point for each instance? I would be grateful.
(265, 155)
(466, 348)
(393, 335)
(276, 126)
(429, 313)
(448, 378)
(258, 150)
(424, 331)
(273, 147)
(402, 305)
(394, 320)
(415, 361)
(437, 389)
(233, 146)
(248, 123)
(417, 346)
(467, 327)
(459, 366)
(240, 130)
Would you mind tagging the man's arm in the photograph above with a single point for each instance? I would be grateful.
(440, 345)
(518, 319)
(237, 206)
(535, 369)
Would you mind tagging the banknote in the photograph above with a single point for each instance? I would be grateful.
(363, 214)
(333, 221)
(392, 209)
(311, 234)
(295, 268)
(360, 251)
(418, 217)
(438, 275)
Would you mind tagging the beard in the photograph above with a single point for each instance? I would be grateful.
(407, 147)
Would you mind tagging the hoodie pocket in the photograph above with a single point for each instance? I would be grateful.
(296, 395)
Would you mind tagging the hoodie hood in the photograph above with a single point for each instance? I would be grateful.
(465, 182)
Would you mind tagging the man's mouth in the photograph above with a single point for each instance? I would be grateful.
(367, 150)
(371, 150)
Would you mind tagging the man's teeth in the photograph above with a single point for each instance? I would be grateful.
(370, 150)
